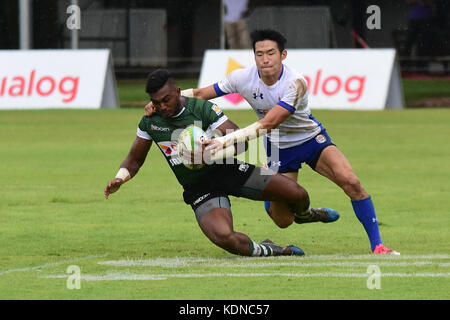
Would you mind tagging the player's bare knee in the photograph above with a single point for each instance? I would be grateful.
(352, 186)
(302, 201)
(282, 214)
(284, 222)
(298, 193)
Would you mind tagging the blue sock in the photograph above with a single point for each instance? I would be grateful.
(267, 206)
(365, 213)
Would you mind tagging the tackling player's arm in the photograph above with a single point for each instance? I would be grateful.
(231, 151)
(278, 114)
(224, 144)
(130, 166)
(205, 93)
(227, 127)
(226, 152)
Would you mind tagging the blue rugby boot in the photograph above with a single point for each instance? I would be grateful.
(295, 251)
(317, 214)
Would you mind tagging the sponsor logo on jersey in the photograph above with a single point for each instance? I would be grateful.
(216, 109)
(257, 95)
(275, 164)
(321, 138)
(156, 128)
(169, 148)
(243, 167)
(201, 198)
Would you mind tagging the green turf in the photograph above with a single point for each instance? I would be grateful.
(425, 88)
(56, 163)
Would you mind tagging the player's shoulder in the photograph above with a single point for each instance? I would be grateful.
(196, 104)
(145, 120)
(293, 77)
(292, 74)
(199, 107)
(153, 119)
(145, 123)
(244, 73)
(203, 110)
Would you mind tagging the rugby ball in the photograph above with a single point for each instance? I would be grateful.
(187, 141)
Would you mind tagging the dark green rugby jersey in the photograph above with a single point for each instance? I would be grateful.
(165, 131)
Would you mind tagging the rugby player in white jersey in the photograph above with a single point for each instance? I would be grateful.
(279, 97)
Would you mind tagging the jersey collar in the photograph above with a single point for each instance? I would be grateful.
(179, 113)
(281, 74)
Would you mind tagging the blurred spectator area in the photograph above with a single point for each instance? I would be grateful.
(136, 37)
(146, 34)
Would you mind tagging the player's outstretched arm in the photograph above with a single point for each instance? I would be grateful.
(226, 127)
(234, 149)
(205, 93)
(273, 118)
(130, 166)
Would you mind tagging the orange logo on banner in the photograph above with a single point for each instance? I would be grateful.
(234, 98)
(233, 65)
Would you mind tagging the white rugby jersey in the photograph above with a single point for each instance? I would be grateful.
(300, 127)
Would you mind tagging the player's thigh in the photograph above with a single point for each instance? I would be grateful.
(215, 219)
(334, 165)
(291, 175)
(282, 188)
(281, 208)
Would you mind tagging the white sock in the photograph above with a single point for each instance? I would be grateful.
(258, 250)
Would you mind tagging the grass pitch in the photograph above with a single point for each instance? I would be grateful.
(144, 242)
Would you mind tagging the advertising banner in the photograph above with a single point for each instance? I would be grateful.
(40, 79)
(354, 79)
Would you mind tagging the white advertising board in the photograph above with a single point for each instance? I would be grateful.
(355, 79)
(38, 79)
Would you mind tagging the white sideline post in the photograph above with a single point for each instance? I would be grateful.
(25, 16)
(222, 26)
(74, 35)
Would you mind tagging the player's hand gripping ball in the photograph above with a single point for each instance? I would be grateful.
(190, 141)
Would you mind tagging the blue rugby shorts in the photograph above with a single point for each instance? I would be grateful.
(291, 159)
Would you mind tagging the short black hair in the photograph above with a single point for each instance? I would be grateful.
(268, 34)
(157, 79)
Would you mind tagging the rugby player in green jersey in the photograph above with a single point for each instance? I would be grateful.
(207, 189)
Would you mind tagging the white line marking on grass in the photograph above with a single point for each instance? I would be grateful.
(178, 263)
(141, 277)
(52, 264)
(249, 262)
(322, 264)
(376, 257)
(161, 262)
(278, 261)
